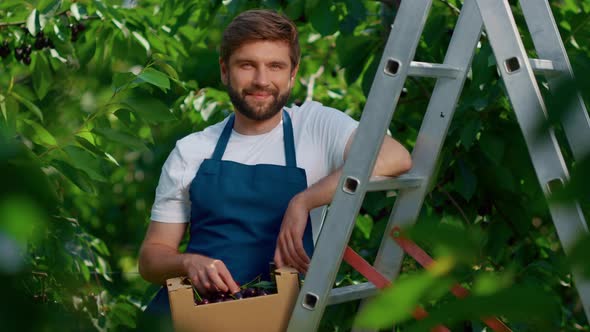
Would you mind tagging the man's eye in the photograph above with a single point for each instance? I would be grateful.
(276, 67)
(246, 65)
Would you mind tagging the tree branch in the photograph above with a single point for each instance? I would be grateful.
(311, 83)
(19, 23)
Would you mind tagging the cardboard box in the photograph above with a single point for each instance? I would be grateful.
(269, 313)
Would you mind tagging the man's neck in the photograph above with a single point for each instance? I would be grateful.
(246, 126)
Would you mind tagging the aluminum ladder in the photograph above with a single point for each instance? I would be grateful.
(517, 71)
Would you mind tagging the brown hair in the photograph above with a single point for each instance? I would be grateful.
(260, 24)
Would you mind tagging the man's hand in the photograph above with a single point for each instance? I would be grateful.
(208, 275)
(290, 249)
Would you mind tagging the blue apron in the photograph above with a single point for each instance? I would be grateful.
(237, 211)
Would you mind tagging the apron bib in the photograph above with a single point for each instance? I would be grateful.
(237, 211)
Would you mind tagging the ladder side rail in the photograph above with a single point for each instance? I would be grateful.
(376, 117)
(432, 133)
(530, 111)
(431, 137)
(549, 46)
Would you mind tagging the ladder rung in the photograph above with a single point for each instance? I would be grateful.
(437, 70)
(543, 67)
(351, 293)
(384, 183)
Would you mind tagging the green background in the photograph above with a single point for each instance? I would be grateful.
(86, 127)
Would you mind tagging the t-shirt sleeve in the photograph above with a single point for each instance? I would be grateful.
(333, 129)
(172, 203)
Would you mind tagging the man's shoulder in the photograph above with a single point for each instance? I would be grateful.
(201, 141)
(310, 109)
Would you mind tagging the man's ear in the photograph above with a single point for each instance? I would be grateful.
(223, 71)
(294, 73)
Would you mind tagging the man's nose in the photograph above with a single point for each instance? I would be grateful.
(261, 78)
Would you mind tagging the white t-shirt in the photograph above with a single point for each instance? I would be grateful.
(320, 134)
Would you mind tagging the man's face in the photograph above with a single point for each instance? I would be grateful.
(259, 78)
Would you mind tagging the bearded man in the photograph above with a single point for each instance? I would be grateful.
(245, 187)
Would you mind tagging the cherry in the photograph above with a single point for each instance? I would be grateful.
(27, 60)
(18, 53)
(39, 45)
(48, 42)
(4, 49)
(40, 41)
(74, 29)
(249, 292)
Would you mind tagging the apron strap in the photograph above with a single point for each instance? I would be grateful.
(288, 140)
(223, 139)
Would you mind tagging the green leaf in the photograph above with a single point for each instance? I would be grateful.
(170, 71)
(353, 49)
(41, 76)
(124, 313)
(103, 268)
(142, 41)
(368, 76)
(5, 4)
(469, 132)
(77, 177)
(85, 161)
(120, 137)
(100, 247)
(364, 223)
(84, 270)
(489, 283)
(35, 22)
(20, 218)
(493, 147)
(51, 7)
(311, 5)
(150, 109)
(520, 303)
(78, 10)
(3, 102)
(124, 80)
(504, 178)
(396, 303)
(88, 145)
(156, 78)
(578, 257)
(42, 136)
(323, 19)
(32, 107)
(295, 9)
(103, 10)
(353, 53)
(466, 182)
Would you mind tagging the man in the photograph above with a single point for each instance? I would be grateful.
(243, 183)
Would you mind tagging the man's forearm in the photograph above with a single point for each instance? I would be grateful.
(321, 192)
(159, 262)
(393, 160)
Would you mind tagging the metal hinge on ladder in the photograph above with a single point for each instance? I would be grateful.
(517, 71)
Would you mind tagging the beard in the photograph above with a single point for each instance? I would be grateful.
(257, 111)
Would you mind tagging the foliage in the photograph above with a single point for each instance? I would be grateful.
(111, 85)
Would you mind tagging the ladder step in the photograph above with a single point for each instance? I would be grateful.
(351, 293)
(544, 67)
(436, 70)
(384, 183)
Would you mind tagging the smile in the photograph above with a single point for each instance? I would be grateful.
(259, 96)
